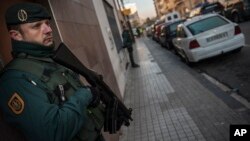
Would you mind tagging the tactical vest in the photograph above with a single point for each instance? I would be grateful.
(53, 75)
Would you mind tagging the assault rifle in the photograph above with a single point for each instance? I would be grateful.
(116, 113)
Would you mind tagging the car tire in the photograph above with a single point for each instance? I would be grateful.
(186, 61)
(237, 50)
(175, 51)
(162, 44)
(168, 46)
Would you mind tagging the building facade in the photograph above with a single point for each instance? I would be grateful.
(185, 6)
(133, 16)
(182, 6)
(163, 6)
(91, 30)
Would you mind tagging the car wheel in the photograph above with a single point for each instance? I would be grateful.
(237, 50)
(186, 60)
(236, 18)
(161, 44)
(168, 45)
(175, 51)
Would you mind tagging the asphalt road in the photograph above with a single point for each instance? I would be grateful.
(163, 56)
(232, 69)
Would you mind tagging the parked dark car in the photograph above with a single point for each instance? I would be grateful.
(168, 32)
(205, 8)
(237, 10)
(156, 29)
(157, 32)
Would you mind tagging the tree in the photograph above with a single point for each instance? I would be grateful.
(135, 23)
(148, 20)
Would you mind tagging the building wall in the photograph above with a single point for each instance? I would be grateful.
(118, 58)
(5, 44)
(156, 8)
(162, 6)
(79, 28)
(186, 6)
(180, 7)
(7, 133)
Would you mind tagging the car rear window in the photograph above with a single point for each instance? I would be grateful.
(175, 16)
(173, 26)
(247, 2)
(213, 7)
(206, 24)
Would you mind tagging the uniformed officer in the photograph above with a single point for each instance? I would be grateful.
(128, 44)
(45, 100)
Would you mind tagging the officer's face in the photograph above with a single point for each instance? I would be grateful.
(37, 32)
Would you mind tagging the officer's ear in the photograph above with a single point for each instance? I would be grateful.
(16, 35)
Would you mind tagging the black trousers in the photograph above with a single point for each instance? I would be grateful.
(131, 57)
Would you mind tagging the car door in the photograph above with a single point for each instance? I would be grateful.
(163, 35)
(180, 42)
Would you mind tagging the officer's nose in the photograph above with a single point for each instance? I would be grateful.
(47, 28)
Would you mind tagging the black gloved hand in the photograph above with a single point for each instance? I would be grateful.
(95, 97)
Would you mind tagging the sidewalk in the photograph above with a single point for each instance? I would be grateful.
(171, 104)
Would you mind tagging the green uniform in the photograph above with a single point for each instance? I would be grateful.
(128, 43)
(30, 100)
(127, 40)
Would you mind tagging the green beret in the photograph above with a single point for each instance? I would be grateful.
(25, 13)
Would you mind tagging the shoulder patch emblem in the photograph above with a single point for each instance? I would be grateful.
(16, 104)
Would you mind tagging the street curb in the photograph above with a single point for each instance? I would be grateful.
(241, 99)
(232, 92)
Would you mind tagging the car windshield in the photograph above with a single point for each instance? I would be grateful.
(211, 8)
(206, 24)
(247, 2)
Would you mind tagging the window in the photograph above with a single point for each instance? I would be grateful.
(175, 16)
(212, 8)
(206, 24)
(113, 25)
(173, 27)
(169, 18)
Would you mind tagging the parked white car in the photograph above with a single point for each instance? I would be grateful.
(206, 36)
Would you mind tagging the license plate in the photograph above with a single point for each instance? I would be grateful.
(218, 36)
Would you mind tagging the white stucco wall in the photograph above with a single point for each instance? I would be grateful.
(118, 60)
